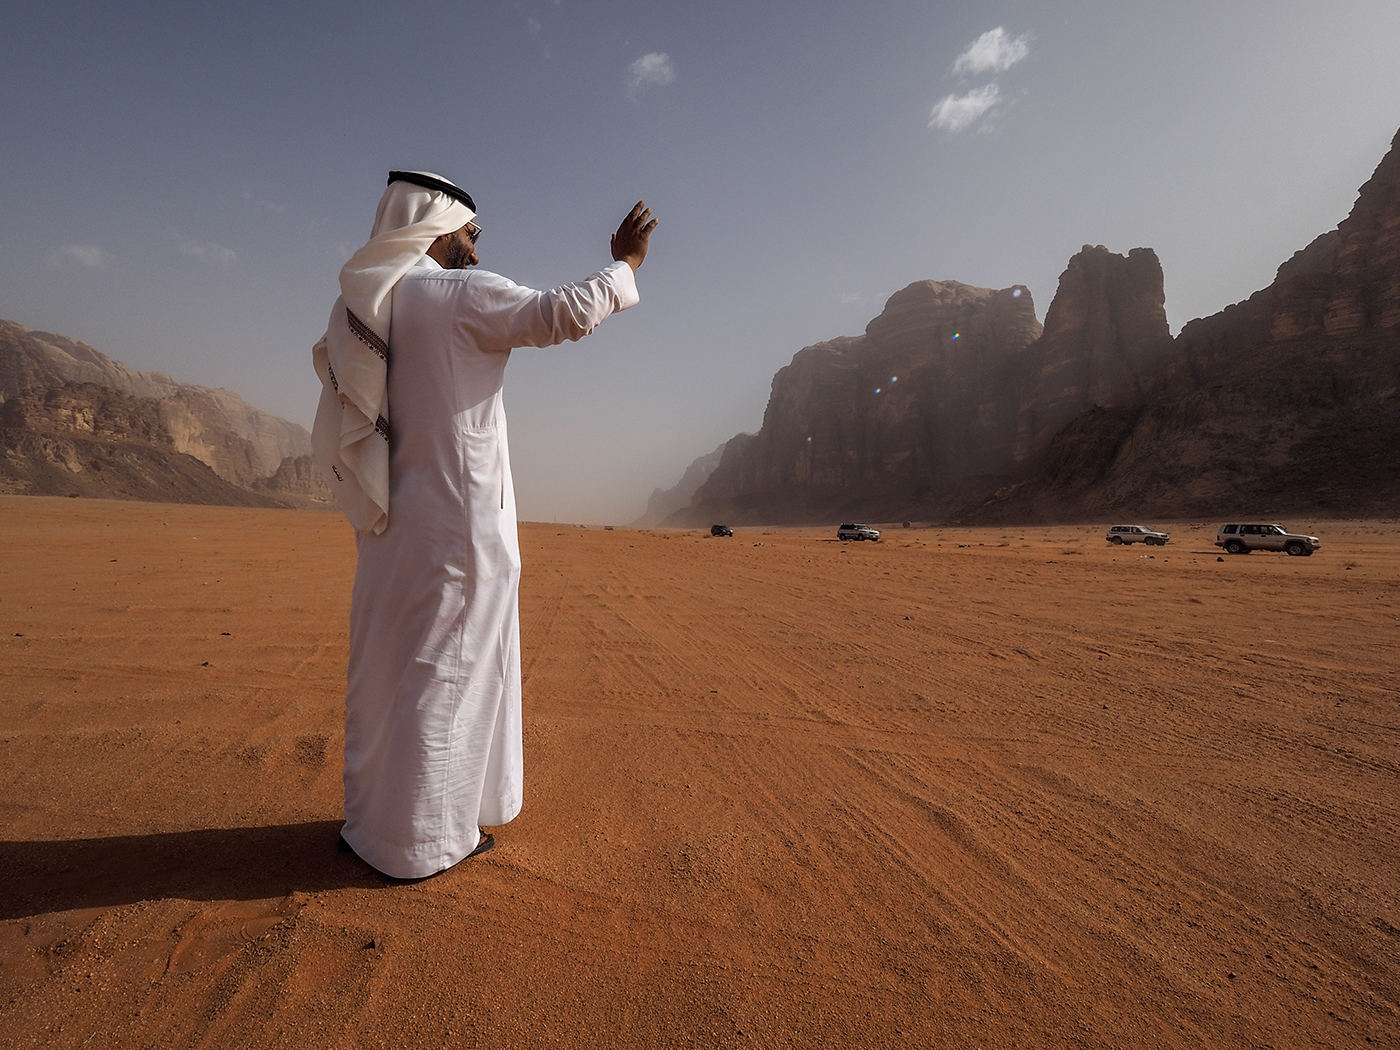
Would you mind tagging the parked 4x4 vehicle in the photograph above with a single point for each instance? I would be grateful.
(1238, 538)
(851, 530)
(1134, 533)
(721, 530)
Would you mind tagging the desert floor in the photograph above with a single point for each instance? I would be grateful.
(1000, 787)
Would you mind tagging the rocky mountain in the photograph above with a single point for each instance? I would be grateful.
(950, 392)
(244, 446)
(1286, 403)
(916, 405)
(81, 439)
(294, 477)
(1105, 332)
(665, 502)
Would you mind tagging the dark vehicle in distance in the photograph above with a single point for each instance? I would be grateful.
(721, 530)
(1241, 538)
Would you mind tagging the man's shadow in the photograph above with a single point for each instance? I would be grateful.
(214, 864)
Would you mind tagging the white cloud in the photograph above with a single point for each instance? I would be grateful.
(992, 52)
(89, 255)
(653, 70)
(533, 24)
(957, 113)
(204, 251)
(258, 204)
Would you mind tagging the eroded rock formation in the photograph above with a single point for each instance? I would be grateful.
(949, 392)
(856, 425)
(296, 476)
(81, 439)
(1105, 332)
(665, 502)
(242, 444)
(1286, 403)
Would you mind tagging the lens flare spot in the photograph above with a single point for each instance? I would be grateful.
(1015, 293)
(877, 390)
(956, 334)
(894, 379)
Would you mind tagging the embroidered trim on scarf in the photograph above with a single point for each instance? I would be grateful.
(382, 425)
(365, 334)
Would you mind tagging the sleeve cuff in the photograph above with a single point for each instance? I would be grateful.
(624, 283)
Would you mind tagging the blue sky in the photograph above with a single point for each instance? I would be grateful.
(183, 181)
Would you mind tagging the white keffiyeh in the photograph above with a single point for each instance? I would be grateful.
(351, 434)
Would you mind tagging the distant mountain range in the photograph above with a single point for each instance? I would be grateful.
(665, 502)
(75, 422)
(957, 405)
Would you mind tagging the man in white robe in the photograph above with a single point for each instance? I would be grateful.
(433, 716)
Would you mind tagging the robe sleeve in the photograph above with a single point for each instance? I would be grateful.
(501, 315)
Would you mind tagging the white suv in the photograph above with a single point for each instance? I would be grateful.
(1241, 539)
(1136, 533)
(851, 530)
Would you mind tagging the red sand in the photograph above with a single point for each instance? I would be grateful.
(1002, 788)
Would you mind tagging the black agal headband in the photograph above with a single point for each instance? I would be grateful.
(430, 183)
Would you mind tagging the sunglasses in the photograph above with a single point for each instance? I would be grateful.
(473, 232)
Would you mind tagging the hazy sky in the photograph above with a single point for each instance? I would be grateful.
(182, 182)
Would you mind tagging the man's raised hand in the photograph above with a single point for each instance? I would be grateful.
(629, 243)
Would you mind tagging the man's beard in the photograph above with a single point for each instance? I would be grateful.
(457, 256)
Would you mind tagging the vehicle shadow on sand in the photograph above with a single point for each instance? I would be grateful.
(210, 864)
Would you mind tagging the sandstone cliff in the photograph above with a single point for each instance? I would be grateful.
(81, 439)
(862, 425)
(242, 444)
(1288, 402)
(665, 502)
(948, 394)
(294, 477)
(1105, 332)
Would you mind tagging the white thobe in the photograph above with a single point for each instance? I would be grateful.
(432, 711)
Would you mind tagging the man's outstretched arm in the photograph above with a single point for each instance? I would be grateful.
(505, 315)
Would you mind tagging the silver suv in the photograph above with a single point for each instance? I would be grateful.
(1241, 539)
(1136, 533)
(851, 530)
